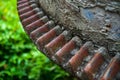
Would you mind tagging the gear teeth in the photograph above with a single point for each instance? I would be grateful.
(23, 5)
(41, 30)
(32, 18)
(47, 37)
(113, 69)
(77, 59)
(21, 2)
(36, 24)
(30, 13)
(95, 63)
(27, 8)
(65, 50)
(57, 43)
(83, 60)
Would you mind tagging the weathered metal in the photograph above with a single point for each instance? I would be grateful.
(80, 55)
(82, 36)
(96, 20)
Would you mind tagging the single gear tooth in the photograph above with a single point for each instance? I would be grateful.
(22, 1)
(112, 69)
(31, 13)
(36, 24)
(25, 1)
(41, 30)
(27, 15)
(37, 10)
(34, 5)
(23, 5)
(32, 17)
(24, 10)
(47, 37)
(28, 8)
(57, 43)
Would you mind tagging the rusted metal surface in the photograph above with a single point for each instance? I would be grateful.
(36, 24)
(32, 17)
(94, 64)
(82, 57)
(112, 69)
(41, 30)
(47, 37)
(57, 43)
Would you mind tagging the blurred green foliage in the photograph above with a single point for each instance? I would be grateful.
(19, 58)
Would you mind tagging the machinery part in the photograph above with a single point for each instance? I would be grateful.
(83, 59)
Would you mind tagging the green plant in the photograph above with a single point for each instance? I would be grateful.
(19, 58)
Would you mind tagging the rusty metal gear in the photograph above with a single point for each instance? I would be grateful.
(81, 58)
